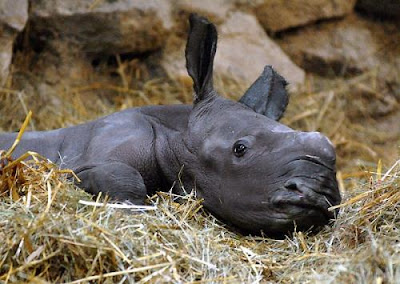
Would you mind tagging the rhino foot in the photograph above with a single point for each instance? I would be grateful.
(119, 181)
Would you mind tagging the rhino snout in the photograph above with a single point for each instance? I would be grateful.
(307, 192)
(313, 176)
(319, 147)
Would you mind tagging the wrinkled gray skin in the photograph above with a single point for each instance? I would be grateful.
(253, 172)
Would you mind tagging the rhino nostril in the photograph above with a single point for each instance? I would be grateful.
(293, 186)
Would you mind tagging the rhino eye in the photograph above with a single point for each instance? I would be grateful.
(239, 149)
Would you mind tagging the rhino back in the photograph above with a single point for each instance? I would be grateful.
(52, 144)
(130, 135)
(172, 116)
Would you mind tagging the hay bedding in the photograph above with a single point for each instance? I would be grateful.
(53, 232)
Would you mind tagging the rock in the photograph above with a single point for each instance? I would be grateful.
(348, 47)
(13, 17)
(243, 51)
(215, 10)
(386, 8)
(278, 15)
(14, 14)
(110, 27)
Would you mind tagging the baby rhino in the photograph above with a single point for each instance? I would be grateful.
(254, 173)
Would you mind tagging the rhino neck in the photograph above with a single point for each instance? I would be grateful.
(173, 157)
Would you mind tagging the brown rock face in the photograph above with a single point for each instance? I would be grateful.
(242, 52)
(108, 27)
(347, 47)
(350, 47)
(278, 15)
(13, 17)
(245, 49)
(215, 10)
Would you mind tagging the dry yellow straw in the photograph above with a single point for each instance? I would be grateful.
(20, 133)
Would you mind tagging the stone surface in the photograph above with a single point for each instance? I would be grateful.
(242, 52)
(390, 8)
(124, 26)
(13, 17)
(215, 10)
(278, 15)
(353, 46)
(348, 47)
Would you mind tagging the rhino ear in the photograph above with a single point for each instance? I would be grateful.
(267, 95)
(200, 51)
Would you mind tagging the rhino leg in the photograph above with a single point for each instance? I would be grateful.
(118, 180)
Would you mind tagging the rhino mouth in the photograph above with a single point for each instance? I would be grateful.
(303, 200)
(303, 215)
(294, 209)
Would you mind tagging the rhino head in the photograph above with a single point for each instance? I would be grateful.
(253, 172)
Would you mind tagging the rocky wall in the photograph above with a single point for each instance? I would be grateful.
(62, 39)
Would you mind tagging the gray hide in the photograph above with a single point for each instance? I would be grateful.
(253, 172)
